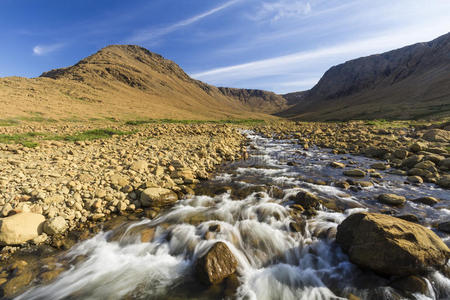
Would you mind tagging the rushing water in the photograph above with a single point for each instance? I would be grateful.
(274, 262)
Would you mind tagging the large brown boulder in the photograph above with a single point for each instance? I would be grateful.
(157, 197)
(307, 200)
(391, 199)
(216, 265)
(444, 182)
(437, 135)
(390, 245)
(20, 228)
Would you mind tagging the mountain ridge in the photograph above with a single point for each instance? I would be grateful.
(121, 80)
(397, 78)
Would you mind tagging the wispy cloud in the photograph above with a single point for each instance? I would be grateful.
(46, 49)
(280, 9)
(153, 33)
(333, 54)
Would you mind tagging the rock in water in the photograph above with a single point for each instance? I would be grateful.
(391, 199)
(355, 173)
(307, 200)
(20, 228)
(158, 197)
(216, 265)
(389, 245)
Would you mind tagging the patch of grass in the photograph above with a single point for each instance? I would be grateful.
(8, 122)
(93, 134)
(25, 139)
(39, 119)
(383, 123)
(112, 119)
(173, 121)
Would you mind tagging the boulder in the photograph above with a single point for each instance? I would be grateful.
(391, 199)
(419, 172)
(418, 146)
(426, 165)
(415, 179)
(376, 152)
(355, 173)
(444, 182)
(389, 245)
(158, 197)
(379, 166)
(307, 200)
(216, 265)
(337, 165)
(400, 153)
(411, 284)
(444, 164)
(436, 158)
(412, 161)
(119, 180)
(20, 228)
(437, 135)
(55, 199)
(139, 166)
(55, 225)
(427, 200)
(445, 227)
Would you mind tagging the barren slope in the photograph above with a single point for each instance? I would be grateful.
(257, 100)
(122, 81)
(411, 82)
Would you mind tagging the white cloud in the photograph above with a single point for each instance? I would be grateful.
(152, 33)
(46, 49)
(282, 9)
(293, 63)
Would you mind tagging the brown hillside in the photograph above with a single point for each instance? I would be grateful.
(121, 81)
(411, 82)
(257, 100)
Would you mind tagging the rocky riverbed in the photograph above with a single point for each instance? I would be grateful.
(260, 228)
(69, 184)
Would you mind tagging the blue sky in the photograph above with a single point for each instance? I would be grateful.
(278, 45)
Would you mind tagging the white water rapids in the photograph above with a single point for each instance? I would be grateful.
(274, 262)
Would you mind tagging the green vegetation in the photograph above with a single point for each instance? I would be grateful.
(383, 123)
(173, 121)
(93, 134)
(31, 139)
(25, 139)
(39, 119)
(111, 119)
(8, 122)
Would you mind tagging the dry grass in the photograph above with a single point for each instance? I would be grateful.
(115, 83)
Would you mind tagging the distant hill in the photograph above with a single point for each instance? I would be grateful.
(257, 100)
(124, 81)
(130, 82)
(410, 82)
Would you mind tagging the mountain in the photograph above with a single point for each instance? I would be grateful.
(410, 82)
(257, 100)
(123, 81)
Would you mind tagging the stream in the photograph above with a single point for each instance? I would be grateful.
(247, 204)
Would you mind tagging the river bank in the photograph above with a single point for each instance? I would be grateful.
(69, 184)
(249, 204)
